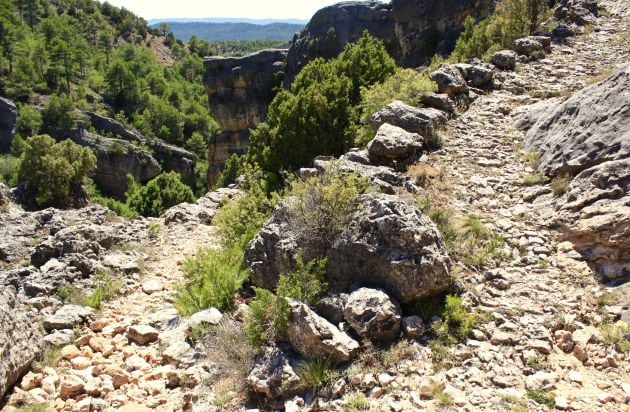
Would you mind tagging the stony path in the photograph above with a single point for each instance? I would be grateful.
(540, 328)
(119, 362)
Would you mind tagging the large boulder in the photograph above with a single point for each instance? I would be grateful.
(393, 145)
(390, 245)
(423, 121)
(8, 118)
(504, 59)
(527, 46)
(313, 336)
(387, 244)
(476, 73)
(449, 80)
(333, 27)
(239, 92)
(589, 128)
(20, 339)
(373, 315)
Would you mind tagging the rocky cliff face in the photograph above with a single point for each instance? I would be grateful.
(239, 91)
(8, 117)
(426, 27)
(331, 28)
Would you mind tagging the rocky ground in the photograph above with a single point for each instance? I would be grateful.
(540, 310)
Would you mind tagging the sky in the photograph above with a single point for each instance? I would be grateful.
(251, 9)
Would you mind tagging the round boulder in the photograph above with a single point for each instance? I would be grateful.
(504, 59)
(373, 315)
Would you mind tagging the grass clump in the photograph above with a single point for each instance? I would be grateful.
(306, 282)
(105, 287)
(607, 299)
(532, 158)
(534, 179)
(316, 373)
(442, 398)
(542, 397)
(212, 279)
(269, 320)
(48, 359)
(476, 244)
(617, 335)
(560, 185)
(357, 402)
(456, 323)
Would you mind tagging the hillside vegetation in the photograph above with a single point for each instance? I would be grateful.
(233, 31)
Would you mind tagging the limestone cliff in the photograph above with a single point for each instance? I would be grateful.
(239, 91)
(8, 117)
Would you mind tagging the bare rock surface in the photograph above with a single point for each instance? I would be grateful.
(373, 315)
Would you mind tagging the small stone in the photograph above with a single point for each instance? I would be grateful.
(502, 338)
(580, 353)
(31, 381)
(81, 362)
(561, 403)
(369, 381)
(575, 376)
(152, 286)
(413, 326)
(384, 379)
(540, 346)
(71, 386)
(70, 352)
(102, 345)
(605, 397)
(175, 351)
(142, 334)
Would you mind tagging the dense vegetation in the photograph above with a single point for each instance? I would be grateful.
(81, 54)
(233, 31)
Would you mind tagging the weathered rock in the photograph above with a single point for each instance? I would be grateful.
(142, 334)
(596, 216)
(68, 316)
(202, 211)
(210, 316)
(313, 336)
(332, 27)
(393, 146)
(274, 373)
(504, 59)
(576, 11)
(373, 315)
(562, 31)
(20, 339)
(527, 46)
(8, 119)
(331, 307)
(393, 246)
(115, 159)
(413, 326)
(239, 91)
(71, 386)
(589, 128)
(438, 101)
(476, 73)
(449, 80)
(425, 122)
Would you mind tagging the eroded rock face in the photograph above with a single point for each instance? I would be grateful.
(313, 336)
(426, 27)
(331, 28)
(239, 91)
(8, 117)
(589, 128)
(576, 11)
(20, 339)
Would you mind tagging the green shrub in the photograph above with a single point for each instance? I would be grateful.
(55, 173)
(212, 279)
(315, 117)
(269, 318)
(240, 220)
(231, 171)
(116, 206)
(320, 207)
(534, 179)
(456, 323)
(29, 120)
(104, 288)
(161, 193)
(406, 85)
(512, 19)
(59, 115)
(9, 170)
(618, 335)
(306, 282)
(357, 402)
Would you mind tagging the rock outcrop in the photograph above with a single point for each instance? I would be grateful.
(8, 118)
(423, 121)
(576, 11)
(20, 339)
(239, 91)
(373, 315)
(587, 136)
(332, 27)
(589, 128)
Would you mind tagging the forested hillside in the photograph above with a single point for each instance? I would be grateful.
(62, 58)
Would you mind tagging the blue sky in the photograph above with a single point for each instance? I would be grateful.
(253, 9)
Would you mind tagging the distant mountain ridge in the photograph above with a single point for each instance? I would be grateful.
(233, 31)
(226, 20)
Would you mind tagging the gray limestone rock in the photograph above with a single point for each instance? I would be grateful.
(373, 315)
(393, 146)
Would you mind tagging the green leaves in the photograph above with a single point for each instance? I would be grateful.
(161, 193)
